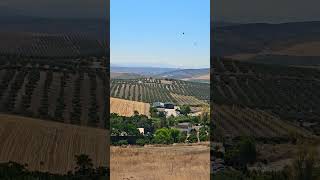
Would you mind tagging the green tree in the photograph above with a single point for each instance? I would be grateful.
(153, 112)
(247, 150)
(193, 138)
(162, 136)
(185, 109)
(203, 134)
(183, 137)
(175, 135)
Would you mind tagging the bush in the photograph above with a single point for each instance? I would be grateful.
(175, 134)
(183, 137)
(162, 136)
(140, 142)
(122, 142)
(193, 137)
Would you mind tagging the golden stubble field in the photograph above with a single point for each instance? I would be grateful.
(50, 146)
(177, 162)
(127, 108)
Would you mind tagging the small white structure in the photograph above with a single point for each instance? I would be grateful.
(172, 112)
(141, 130)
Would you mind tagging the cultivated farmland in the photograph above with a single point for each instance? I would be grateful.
(126, 108)
(233, 121)
(290, 93)
(50, 146)
(151, 90)
(52, 92)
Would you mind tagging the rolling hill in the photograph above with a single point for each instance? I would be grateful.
(200, 75)
(187, 74)
(296, 40)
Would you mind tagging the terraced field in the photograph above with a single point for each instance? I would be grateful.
(150, 90)
(126, 108)
(50, 146)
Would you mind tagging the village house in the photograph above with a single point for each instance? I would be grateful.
(169, 109)
(141, 130)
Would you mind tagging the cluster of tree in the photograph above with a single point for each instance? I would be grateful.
(157, 129)
(169, 136)
(241, 154)
(83, 170)
(304, 166)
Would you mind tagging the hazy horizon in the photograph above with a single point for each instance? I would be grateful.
(150, 65)
(160, 32)
(265, 11)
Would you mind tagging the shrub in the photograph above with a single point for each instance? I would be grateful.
(140, 142)
(162, 136)
(122, 142)
(193, 138)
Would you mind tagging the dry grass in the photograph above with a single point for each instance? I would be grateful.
(126, 107)
(34, 141)
(178, 162)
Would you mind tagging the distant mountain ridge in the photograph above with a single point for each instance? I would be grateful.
(145, 71)
(158, 72)
(185, 73)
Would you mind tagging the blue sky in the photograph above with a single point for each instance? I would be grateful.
(150, 33)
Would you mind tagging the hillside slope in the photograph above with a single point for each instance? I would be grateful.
(50, 146)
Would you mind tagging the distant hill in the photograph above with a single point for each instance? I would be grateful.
(187, 74)
(158, 72)
(144, 71)
(119, 75)
(247, 41)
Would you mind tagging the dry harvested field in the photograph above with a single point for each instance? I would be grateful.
(177, 162)
(50, 146)
(127, 108)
